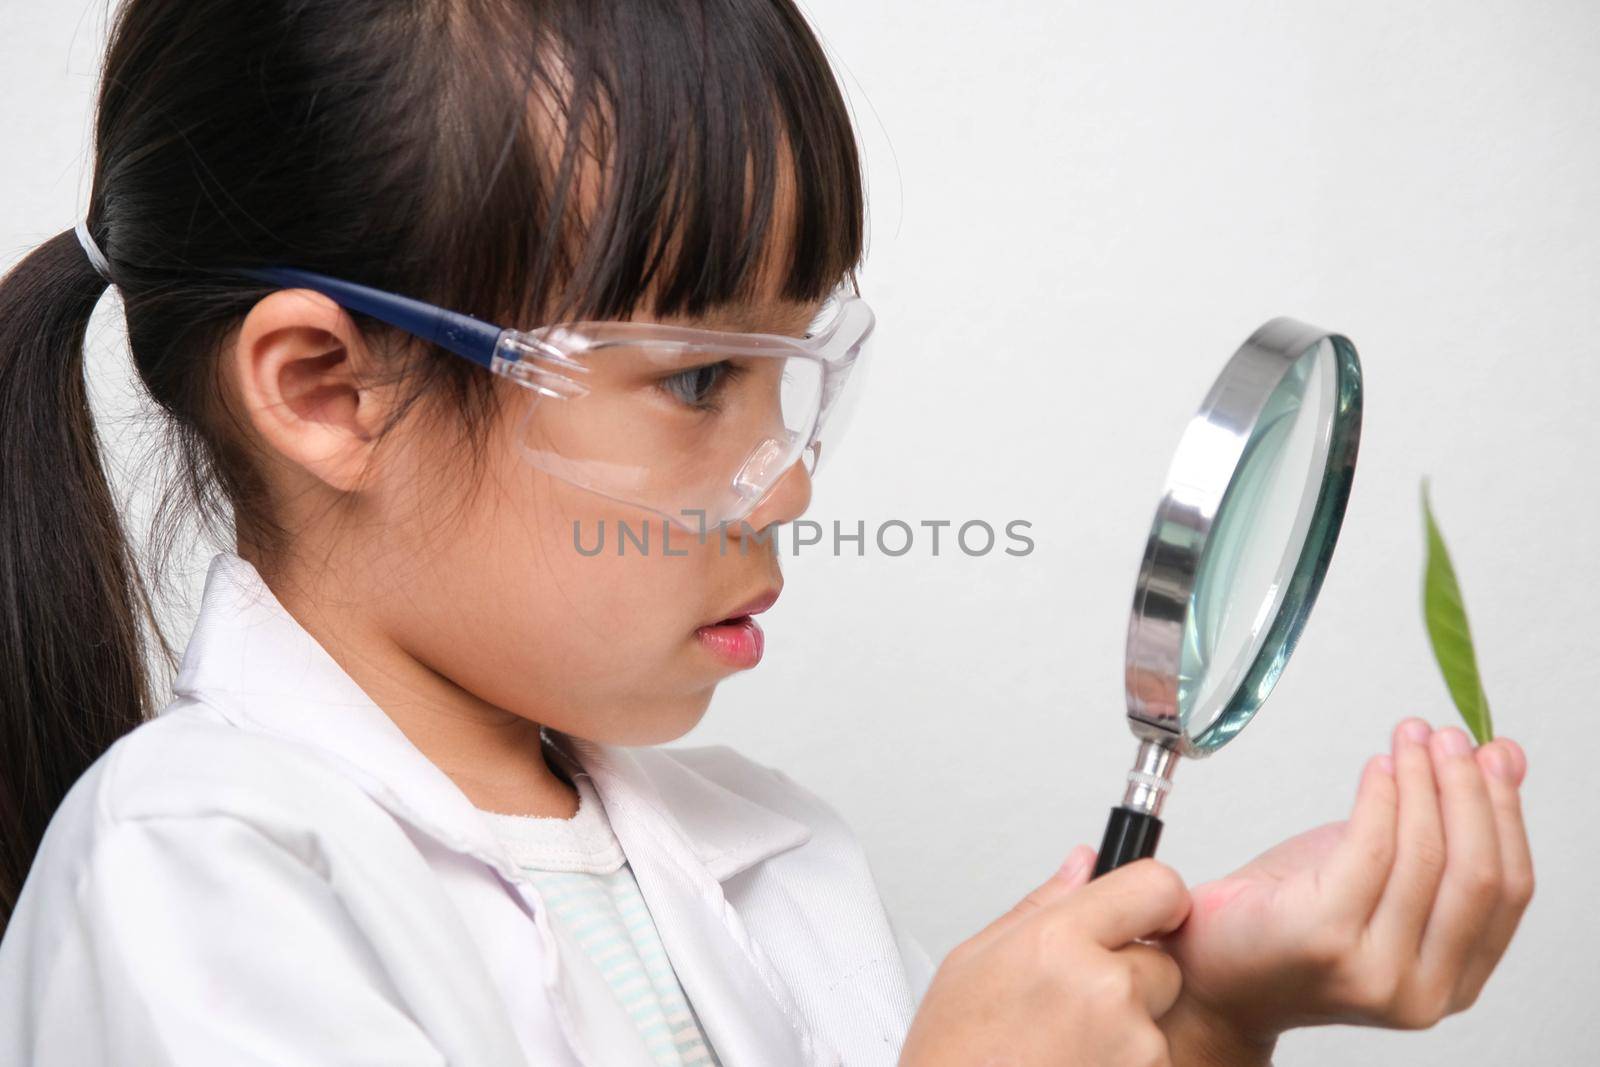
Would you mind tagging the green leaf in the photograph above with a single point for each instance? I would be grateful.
(1446, 617)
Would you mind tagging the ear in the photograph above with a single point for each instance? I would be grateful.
(300, 369)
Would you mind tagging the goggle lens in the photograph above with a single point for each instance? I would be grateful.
(698, 432)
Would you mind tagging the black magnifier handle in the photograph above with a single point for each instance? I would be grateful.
(1130, 835)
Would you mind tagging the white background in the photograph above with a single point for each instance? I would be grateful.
(1078, 212)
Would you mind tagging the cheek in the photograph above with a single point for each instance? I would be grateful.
(525, 621)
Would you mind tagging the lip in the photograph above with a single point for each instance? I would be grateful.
(738, 642)
(736, 639)
(755, 606)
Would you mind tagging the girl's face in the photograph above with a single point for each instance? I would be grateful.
(489, 581)
(538, 603)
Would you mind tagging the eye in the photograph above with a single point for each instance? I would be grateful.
(699, 387)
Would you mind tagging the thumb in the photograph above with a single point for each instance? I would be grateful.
(1073, 875)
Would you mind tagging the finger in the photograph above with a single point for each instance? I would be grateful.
(1470, 890)
(1072, 875)
(1503, 767)
(1075, 869)
(1155, 974)
(1408, 896)
(1506, 765)
(1141, 899)
(1361, 863)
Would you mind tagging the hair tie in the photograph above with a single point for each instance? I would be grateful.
(97, 258)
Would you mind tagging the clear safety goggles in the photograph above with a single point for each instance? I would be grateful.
(695, 425)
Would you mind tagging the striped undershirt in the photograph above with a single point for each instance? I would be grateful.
(583, 876)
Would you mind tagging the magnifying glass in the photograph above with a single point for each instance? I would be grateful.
(1241, 541)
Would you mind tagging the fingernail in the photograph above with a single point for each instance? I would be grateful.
(1500, 764)
(1074, 865)
(1416, 731)
(1453, 742)
(1518, 757)
(1386, 764)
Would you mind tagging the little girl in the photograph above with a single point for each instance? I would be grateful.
(433, 293)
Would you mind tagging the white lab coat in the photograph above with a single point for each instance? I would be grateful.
(269, 872)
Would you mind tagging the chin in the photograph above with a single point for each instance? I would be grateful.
(670, 720)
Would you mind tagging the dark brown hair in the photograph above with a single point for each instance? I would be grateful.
(520, 160)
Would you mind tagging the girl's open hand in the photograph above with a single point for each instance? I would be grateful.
(1393, 918)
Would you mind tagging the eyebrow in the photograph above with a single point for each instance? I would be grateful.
(789, 320)
(794, 321)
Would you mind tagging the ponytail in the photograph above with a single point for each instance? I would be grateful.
(73, 610)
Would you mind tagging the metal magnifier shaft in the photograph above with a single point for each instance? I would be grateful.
(1134, 827)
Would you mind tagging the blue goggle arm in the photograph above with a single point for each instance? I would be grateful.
(464, 335)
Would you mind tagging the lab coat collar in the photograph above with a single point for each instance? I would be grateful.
(683, 834)
(251, 661)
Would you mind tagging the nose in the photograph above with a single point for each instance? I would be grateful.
(786, 501)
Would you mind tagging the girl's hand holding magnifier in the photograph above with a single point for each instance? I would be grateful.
(1064, 979)
(1393, 918)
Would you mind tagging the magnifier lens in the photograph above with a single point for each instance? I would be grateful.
(1240, 543)
(1262, 533)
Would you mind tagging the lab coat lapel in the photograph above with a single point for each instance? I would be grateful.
(747, 1011)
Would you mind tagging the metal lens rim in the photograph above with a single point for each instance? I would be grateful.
(1169, 568)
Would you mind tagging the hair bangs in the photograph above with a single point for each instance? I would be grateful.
(669, 159)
